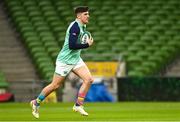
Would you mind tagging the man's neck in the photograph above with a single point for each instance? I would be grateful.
(80, 22)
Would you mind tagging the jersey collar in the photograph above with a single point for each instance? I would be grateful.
(80, 24)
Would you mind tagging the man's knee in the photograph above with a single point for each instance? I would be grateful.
(57, 81)
(90, 80)
(55, 86)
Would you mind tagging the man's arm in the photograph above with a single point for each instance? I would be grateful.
(73, 37)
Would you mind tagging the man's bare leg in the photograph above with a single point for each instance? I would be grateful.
(84, 73)
(56, 83)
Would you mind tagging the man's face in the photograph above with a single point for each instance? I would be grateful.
(84, 17)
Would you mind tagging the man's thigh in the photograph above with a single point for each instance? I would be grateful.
(83, 72)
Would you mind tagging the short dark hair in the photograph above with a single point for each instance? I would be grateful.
(81, 9)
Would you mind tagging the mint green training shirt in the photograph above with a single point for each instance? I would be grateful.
(71, 50)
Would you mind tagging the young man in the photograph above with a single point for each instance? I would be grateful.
(69, 60)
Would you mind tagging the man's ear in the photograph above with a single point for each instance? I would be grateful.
(78, 15)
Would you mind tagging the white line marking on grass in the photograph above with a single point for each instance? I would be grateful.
(99, 121)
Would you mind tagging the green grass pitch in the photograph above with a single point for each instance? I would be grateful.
(122, 111)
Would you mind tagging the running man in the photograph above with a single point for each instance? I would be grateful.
(69, 60)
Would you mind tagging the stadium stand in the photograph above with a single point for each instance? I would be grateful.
(144, 33)
(3, 82)
(14, 60)
(15, 63)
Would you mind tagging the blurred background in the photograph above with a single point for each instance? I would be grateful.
(135, 56)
